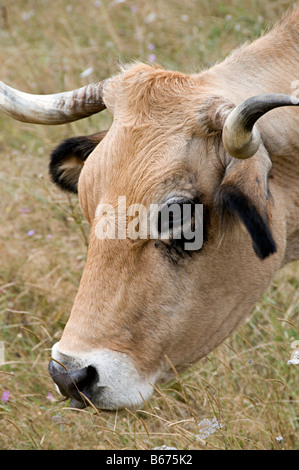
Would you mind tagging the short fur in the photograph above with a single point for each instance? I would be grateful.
(165, 141)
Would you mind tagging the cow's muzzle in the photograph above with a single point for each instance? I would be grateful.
(103, 378)
(75, 384)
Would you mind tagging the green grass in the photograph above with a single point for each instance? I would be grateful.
(245, 383)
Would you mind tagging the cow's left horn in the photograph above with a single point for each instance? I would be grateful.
(57, 108)
(241, 137)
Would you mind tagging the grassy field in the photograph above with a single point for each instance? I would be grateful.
(246, 384)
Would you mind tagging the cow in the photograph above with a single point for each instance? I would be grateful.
(226, 138)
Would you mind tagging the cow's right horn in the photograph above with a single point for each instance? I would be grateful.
(240, 136)
(57, 108)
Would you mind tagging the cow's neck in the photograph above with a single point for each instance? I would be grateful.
(270, 65)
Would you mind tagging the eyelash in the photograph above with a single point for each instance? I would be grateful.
(175, 246)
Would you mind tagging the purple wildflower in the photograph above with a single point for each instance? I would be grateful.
(5, 396)
(50, 397)
(152, 58)
(30, 233)
(25, 210)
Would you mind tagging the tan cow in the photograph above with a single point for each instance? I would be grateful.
(143, 303)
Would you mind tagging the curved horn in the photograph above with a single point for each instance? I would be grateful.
(240, 136)
(58, 108)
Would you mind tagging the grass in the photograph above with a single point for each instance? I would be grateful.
(245, 383)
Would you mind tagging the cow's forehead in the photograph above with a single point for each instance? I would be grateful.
(126, 164)
(142, 92)
(154, 142)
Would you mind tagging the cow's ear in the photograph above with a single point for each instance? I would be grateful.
(67, 160)
(244, 194)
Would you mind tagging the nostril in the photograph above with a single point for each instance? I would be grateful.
(83, 384)
(71, 383)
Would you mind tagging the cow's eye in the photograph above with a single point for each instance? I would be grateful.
(175, 218)
(180, 227)
(171, 218)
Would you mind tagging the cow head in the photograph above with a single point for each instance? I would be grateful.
(146, 305)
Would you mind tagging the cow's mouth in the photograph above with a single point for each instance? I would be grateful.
(104, 379)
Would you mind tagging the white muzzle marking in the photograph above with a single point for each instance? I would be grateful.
(118, 384)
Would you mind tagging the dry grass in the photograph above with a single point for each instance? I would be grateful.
(246, 383)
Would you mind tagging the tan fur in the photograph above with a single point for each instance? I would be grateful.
(71, 169)
(165, 140)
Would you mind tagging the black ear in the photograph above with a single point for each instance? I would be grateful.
(67, 160)
(232, 202)
(244, 194)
